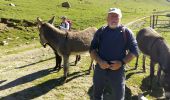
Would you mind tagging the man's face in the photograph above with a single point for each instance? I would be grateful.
(113, 20)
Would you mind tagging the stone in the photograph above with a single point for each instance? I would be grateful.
(66, 5)
(4, 43)
(11, 4)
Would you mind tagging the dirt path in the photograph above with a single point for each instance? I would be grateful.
(22, 73)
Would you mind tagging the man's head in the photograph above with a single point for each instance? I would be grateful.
(63, 18)
(114, 17)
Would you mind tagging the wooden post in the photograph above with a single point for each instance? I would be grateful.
(156, 20)
(153, 21)
(150, 21)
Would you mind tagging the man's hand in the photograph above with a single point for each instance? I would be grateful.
(103, 64)
(115, 65)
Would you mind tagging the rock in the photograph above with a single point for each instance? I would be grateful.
(11, 24)
(9, 38)
(17, 23)
(4, 20)
(3, 27)
(66, 5)
(27, 23)
(11, 4)
(18, 27)
(17, 38)
(27, 43)
(15, 20)
(4, 43)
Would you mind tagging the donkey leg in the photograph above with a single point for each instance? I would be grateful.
(66, 65)
(91, 66)
(158, 75)
(78, 57)
(136, 64)
(75, 63)
(152, 64)
(58, 62)
(143, 66)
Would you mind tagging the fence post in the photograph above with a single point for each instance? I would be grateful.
(150, 21)
(153, 22)
(156, 19)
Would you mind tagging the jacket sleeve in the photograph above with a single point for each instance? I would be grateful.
(95, 40)
(132, 45)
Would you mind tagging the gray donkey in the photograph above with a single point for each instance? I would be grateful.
(65, 43)
(152, 44)
(57, 56)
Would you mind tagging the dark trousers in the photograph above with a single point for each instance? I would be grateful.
(108, 84)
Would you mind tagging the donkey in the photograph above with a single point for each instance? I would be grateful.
(57, 56)
(153, 45)
(65, 43)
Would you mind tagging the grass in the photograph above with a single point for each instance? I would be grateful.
(83, 13)
(18, 39)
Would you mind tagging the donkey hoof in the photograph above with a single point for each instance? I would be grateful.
(64, 79)
(88, 72)
(56, 69)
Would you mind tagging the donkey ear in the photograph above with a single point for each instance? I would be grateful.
(39, 21)
(51, 21)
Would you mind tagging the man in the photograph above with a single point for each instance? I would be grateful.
(64, 24)
(108, 49)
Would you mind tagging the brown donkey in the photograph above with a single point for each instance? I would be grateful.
(65, 43)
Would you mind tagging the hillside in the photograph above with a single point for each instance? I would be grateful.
(84, 13)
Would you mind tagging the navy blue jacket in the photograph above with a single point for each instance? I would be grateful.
(111, 44)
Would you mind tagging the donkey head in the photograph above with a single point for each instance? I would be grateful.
(43, 41)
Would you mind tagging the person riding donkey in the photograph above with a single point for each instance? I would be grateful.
(108, 49)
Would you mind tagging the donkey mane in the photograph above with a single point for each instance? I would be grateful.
(149, 32)
(48, 28)
(67, 42)
(147, 36)
(155, 33)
